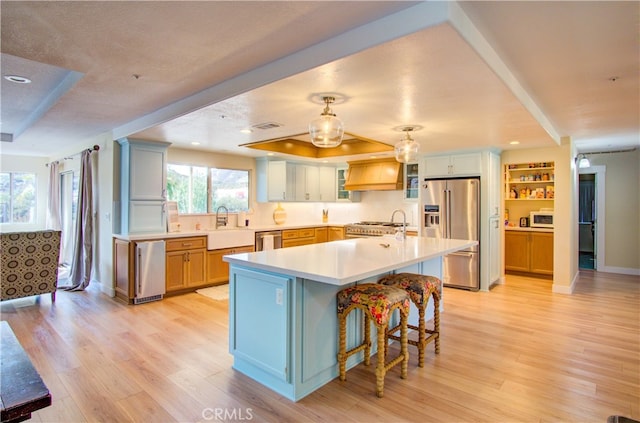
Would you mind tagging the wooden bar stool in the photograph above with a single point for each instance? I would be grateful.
(419, 288)
(377, 303)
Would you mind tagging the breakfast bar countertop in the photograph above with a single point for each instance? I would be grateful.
(351, 260)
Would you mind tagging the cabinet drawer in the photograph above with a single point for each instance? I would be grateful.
(290, 234)
(305, 233)
(186, 243)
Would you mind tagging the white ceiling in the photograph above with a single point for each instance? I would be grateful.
(472, 75)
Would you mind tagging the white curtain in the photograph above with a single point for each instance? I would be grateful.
(53, 201)
(82, 263)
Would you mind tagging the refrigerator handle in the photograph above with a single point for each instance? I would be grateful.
(138, 272)
(447, 199)
(443, 214)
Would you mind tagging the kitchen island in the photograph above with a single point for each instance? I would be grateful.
(283, 326)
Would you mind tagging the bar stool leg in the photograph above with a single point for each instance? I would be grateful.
(422, 337)
(404, 343)
(342, 347)
(380, 367)
(367, 339)
(436, 320)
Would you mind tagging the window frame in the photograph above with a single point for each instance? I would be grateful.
(209, 184)
(34, 206)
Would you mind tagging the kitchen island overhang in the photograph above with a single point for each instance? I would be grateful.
(283, 329)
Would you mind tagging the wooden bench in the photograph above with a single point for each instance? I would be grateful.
(22, 391)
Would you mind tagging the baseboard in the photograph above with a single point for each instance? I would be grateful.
(621, 270)
(105, 289)
(565, 289)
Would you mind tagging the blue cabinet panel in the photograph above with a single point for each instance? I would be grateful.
(260, 314)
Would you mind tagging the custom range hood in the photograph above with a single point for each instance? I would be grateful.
(374, 175)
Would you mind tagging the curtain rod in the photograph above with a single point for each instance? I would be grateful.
(610, 152)
(90, 150)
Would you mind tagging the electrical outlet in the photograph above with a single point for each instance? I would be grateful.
(279, 294)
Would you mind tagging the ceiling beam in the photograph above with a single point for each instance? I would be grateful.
(397, 25)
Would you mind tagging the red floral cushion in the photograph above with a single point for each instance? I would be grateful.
(378, 299)
(419, 287)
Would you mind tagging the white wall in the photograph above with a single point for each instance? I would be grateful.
(622, 211)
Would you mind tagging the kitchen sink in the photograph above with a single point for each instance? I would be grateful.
(229, 237)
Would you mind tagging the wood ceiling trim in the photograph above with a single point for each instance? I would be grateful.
(300, 145)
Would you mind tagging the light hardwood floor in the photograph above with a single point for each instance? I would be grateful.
(516, 354)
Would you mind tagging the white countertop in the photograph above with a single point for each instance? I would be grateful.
(256, 228)
(350, 260)
(527, 229)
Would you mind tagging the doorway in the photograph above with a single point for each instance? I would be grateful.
(587, 222)
(591, 218)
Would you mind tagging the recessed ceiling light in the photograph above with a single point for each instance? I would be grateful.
(246, 131)
(17, 79)
(195, 143)
(514, 142)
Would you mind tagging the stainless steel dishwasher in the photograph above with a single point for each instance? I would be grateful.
(261, 237)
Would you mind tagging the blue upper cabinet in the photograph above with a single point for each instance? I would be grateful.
(143, 187)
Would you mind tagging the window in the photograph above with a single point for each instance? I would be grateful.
(199, 190)
(230, 188)
(17, 197)
(187, 185)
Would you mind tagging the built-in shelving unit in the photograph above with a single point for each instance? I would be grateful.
(529, 182)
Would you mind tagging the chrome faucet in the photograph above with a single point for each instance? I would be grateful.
(404, 221)
(222, 220)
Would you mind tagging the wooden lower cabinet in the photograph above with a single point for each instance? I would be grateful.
(335, 233)
(530, 252)
(185, 263)
(123, 265)
(542, 253)
(218, 269)
(296, 237)
(321, 235)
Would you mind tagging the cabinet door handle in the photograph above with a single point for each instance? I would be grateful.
(187, 244)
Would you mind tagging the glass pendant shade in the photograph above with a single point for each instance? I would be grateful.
(584, 162)
(327, 130)
(406, 149)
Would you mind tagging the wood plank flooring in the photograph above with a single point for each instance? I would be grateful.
(516, 354)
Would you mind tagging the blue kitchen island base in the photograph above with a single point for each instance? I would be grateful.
(283, 329)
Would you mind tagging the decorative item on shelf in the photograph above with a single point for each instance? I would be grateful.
(327, 130)
(406, 150)
(549, 192)
(279, 215)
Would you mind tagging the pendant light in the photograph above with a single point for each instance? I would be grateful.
(327, 130)
(583, 161)
(406, 149)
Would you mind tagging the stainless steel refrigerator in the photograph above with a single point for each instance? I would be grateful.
(452, 210)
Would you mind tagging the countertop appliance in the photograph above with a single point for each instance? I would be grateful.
(541, 219)
(268, 240)
(524, 222)
(452, 210)
(150, 271)
(370, 228)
